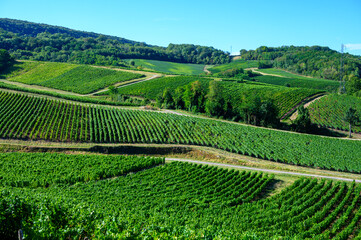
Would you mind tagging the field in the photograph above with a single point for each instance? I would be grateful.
(68, 77)
(285, 98)
(234, 64)
(169, 67)
(61, 121)
(178, 200)
(330, 111)
(297, 82)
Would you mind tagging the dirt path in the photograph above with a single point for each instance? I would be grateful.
(123, 84)
(263, 170)
(295, 114)
(205, 69)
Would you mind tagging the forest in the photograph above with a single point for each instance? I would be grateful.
(30, 41)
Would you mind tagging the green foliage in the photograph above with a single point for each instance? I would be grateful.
(315, 61)
(42, 42)
(45, 119)
(82, 99)
(152, 88)
(6, 61)
(68, 77)
(169, 67)
(236, 64)
(147, 204)
(45, 169)
(214, 99)
(303, 121)
(299, 82)
(330, 111)
(184, 201)
(233, 92)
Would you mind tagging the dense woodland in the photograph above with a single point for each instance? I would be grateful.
(25, 40)
(316, 61)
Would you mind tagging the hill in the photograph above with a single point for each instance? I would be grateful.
(32, 41)
(68, 77)
(315, 61)
(237, 93)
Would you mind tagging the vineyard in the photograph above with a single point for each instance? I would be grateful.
(169, 67)
(67, 77)
(232, 65)
(285, 98)
(330, 111)
(179, 200)
(321, 84)
(23, 117)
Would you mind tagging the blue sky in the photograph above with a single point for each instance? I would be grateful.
(221, 24)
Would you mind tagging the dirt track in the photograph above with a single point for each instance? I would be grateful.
(263, 170)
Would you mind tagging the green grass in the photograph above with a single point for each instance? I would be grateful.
(234, 64)
(170, 67)
(68, 77)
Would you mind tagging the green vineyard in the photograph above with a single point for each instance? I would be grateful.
(24, 117)
(177, 200)
(330, 111)
(284, 98)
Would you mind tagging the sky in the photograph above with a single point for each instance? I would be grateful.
(229, 25)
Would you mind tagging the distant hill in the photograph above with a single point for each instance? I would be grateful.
(316, 61)
(34, 41)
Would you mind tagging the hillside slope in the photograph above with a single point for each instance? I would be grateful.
(33, 41)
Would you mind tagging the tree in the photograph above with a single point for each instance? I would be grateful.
(351, 118)
(250, 110)
(113, 92)
(303, 121)
(269, 113)
(6, 60)
(214, 100)
(178, 98)
(193, 97)
(167, 99)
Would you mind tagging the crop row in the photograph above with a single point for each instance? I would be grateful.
(330, 111)
(44, 169)
(36, 118)
(192, 201)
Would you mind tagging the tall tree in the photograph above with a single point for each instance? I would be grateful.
(6, 60)
(214, 100)
(351, 118)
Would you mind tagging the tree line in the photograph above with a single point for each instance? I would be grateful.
(192, 97)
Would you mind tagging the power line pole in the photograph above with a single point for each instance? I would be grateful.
(342, 80)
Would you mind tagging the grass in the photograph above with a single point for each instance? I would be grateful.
(233, 64)
(170, 67)
(68, 77)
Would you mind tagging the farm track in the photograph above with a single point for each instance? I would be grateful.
(305, 102)
(263, 170)
(265, 74)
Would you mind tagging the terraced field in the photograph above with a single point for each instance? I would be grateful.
(178, 200)
(68, 77)
(63, 121)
